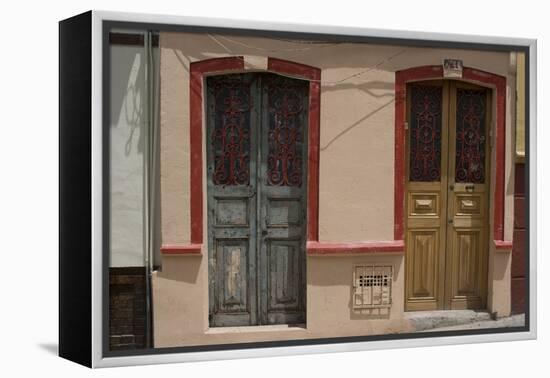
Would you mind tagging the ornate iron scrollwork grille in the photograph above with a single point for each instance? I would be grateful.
(230, 137)
(286, 131)
(425, 133)
(470, 136)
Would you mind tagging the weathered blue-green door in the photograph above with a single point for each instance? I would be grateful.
(256, 149)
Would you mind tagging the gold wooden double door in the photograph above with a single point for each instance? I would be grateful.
(447, 224)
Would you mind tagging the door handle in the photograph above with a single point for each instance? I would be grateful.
(264, 232)
(450, 221)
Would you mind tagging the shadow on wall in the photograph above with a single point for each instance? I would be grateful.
(331, 54)
(371, 313)
(338, 271)
(183, 269)
(501, 262)
(128, 92)
(355, 124)
(128, 123)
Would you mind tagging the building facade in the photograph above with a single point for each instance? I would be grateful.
(321, 189)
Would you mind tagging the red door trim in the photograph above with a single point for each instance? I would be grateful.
(183, 250)
(504, 246)
(324, 248)
(314, 76)
(197, 72)
(486, 79)
(236, 64)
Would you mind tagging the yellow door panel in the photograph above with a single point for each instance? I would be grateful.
(447, 195)
(423, 276)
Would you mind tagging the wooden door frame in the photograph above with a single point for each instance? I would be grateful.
(236, 64)
(483, 257)
(485, 79)
(445, 207)
(233, 65)
(496, 196)
(427, 187)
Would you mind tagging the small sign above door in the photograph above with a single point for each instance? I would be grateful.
(452, 68)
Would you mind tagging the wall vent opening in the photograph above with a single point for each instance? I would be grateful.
(372, 286)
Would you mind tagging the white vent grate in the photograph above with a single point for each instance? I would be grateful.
(372, 285)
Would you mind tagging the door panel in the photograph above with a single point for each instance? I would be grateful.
(256, 124)
(284, 212)
(423, 274)
(468, 204)
(447, 209)
(232, 212)
(467, 289)
(284, 267)
(426, 198)
(283, 205)
(233, 307)
(232, 123)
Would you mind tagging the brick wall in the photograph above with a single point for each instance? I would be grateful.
(519, 249)
(127, 308)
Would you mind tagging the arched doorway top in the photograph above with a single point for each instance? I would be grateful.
(483, 78)
(197, 71)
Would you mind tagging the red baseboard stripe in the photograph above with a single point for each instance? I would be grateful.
(183, 250)
(321, 248)
(503, 245)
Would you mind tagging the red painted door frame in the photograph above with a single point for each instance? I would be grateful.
(486, 79)
(198, 70)
(236, 64)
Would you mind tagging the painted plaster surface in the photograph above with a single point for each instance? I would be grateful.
(128, 138)
(356, 182)
(127, 160)
(357, 125)
(181, 304)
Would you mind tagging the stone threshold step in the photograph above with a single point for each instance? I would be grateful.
(425, 320)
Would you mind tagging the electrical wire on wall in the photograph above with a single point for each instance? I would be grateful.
(317, 45)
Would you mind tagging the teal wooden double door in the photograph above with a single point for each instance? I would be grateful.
(257, 179)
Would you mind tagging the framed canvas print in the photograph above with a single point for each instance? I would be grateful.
(233, 189)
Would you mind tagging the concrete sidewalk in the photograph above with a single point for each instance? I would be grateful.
(428, 321)
(512, 321)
